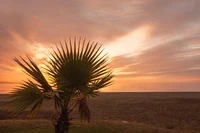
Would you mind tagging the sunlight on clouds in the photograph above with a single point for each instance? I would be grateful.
(119, 70)
(39, 51)
(124, 73)
(129, 44)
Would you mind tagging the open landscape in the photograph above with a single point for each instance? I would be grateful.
(117, 113)
(143, 56)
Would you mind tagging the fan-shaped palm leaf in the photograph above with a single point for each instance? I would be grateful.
(26, 95)
(74, 67)
(30, 94)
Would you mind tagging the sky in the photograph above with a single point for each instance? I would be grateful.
(153, 45)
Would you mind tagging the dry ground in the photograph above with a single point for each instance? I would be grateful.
(173, 111)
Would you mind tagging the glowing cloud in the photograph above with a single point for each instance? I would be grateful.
(130, 44)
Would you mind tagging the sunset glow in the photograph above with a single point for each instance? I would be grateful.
(130, 44)
(152, 45)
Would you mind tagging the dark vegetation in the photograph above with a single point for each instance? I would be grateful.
(73, 72)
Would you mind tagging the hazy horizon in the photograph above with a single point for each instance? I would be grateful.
(160, 92)
(143, 88)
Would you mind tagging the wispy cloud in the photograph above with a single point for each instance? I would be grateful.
(6, 82)
(146, 39)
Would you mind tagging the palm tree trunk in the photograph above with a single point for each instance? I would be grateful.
(62, 123)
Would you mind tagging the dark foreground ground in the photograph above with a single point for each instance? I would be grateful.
(173, 111)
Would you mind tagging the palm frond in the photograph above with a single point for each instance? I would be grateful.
(33, 71)
(83, 109)
(78, 64)
(30, 94)
(103, 82)
(27, 95)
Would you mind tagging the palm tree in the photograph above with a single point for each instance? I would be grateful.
(74, 71)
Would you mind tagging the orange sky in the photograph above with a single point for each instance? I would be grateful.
(153, 45)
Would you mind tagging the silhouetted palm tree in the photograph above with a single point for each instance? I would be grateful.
(74, 72)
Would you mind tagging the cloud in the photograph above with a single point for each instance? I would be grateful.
(101, 20)
(5, 82)
(175, 58)
(171, 47)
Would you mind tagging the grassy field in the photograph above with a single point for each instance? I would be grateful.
(44, 126)
(119, 113)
